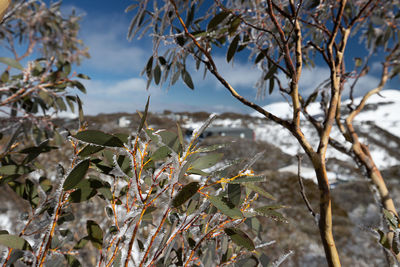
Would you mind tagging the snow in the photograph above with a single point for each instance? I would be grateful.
(381, 110)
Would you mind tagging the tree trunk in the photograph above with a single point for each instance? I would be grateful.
(362, 153)
(325, 220)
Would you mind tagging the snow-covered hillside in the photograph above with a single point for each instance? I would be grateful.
(378, 126)
(380, 117)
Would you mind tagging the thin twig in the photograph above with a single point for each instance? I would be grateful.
(302, 190)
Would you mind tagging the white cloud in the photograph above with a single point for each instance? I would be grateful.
(243, 75)
(109, 49)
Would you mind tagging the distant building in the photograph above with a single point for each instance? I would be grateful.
(243, 133)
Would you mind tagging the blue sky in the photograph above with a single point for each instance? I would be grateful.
(116, 63)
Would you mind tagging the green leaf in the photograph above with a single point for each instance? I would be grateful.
(395, 244)
(14, 169)
(89, 150)
(81, 243)
(187, 79)
(72, 261)
(85, 191)
(215, 21)
(161, 153)
(99, 138)
(5, 76)
(149, 67)
(83, 76)
(15, 242)
(180, 135)
(157, 74)
(95, 234)
(185, 194)
(234, 193)
(80, 86)
(391, 218)
(144, 116)
(260, 56)
(67, 68)
(240, 238)
(81, 118)
(11, 62)
(269, 211)
(383, 240)
(248, 179)
(259, 190)
(226, 209)
(234, 26)
(190, 15)
(170, 139)
(76, 175)
(207, 161)
(271, 85)
(232, 48)
(358, 62)
(270, 72)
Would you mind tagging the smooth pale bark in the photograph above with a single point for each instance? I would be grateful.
(3, 7)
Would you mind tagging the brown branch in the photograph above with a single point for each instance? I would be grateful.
(249, 24)
(358, 16)
(210, 64)
(302, 190)
(285, 50)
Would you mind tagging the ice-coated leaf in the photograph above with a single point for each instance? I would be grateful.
(187, 79)
(76, 175)
(157, 74)
(225, 208)
(395, 243)
(234, 193)
(211, 148)
(83, 76)
(391, 218)
(232, 48)
(11, 62)
(185, 194)
(99, 138)
(149, 67)
(144, 116)
(270, 72)
(215, 21)
(269, 211)
(248, 179)
(207, 161)
(180, 135)
(240, 238)
(82, 242)
(85, 191)
(89, 150)
(80, 86)
(161, 153)
(260, 56)
(80, 110)
(95, 234)
(170, 139)
(259, 190)
(15, 242)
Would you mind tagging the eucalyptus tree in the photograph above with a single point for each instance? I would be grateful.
(282, 38)
(39, 47)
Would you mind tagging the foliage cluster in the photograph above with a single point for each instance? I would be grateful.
(282, 38)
